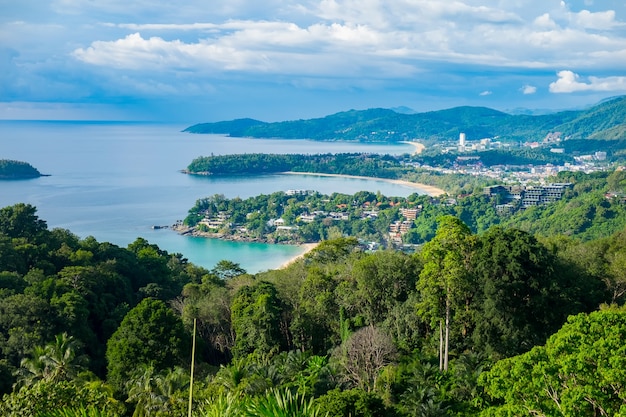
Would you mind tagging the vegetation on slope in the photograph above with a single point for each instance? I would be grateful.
(603, 121)
(342, 332)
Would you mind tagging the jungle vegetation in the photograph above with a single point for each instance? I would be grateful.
(494, 323)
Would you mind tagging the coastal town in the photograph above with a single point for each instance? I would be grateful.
(305, 216)
(468, 159)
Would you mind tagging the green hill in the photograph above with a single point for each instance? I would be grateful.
(606, 121)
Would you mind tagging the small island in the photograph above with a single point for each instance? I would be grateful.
(17, 170)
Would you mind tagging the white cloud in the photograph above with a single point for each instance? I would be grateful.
(545, 21)
(604, 20)
(286, 49)
(486, 93)
(327, 44)
(570, 82)
(400, 36)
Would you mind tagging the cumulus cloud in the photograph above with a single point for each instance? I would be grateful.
(343, 44)
(545, 21)
(599, 20)
(272, 48)
(404, 36)
(570, 82)
(486, 93)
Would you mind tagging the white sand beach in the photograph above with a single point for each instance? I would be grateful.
(419, 147)
(427, 189)
(308, 247)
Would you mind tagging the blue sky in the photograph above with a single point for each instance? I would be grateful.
(207, 60)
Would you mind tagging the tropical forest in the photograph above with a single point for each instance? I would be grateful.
(491, 313)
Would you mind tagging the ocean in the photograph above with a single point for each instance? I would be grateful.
(115, 180)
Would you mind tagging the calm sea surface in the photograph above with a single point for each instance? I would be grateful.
(114, 181)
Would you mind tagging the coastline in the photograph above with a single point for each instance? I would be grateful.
(308, 247)
(419, 147)
(190, 231)
(427, 189)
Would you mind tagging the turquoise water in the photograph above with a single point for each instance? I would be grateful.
(114, 181)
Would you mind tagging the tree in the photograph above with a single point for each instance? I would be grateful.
(364, 355)
(383, 280)
(282, 403)
(446, 284)
(20, 220)
(26, 321)
(55, 362)
(46, 397)
(227, 269)
(149, 334)
(256, 318)
(353, 403)
(332, 250)
(158, 393)
(581, 371)
(520, 298)
(315, 313)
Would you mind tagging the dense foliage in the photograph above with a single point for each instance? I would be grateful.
(603, 121)
(372, 165)
(10, 169)
(342, 332)
(367, 165)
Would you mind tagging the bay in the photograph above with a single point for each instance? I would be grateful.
(114, 181)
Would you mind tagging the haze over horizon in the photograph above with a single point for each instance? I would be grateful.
(286, 59)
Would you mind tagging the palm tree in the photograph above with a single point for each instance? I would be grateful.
(225, 405)
(31, 370)
(60, 358)
(157, 393)
(55, 362)
(282, 403)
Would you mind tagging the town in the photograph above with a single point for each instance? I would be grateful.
(468, 159)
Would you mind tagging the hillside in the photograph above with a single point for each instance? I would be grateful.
(606, 121)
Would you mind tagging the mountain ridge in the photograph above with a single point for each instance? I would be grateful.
(605, 120)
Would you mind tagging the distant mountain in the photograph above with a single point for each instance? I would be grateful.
(606, 121)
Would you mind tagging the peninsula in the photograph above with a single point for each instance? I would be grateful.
(15, 170)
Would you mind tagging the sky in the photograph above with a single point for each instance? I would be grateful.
(193, 61)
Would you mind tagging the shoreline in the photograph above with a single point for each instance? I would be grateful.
(190, 231)
(308, 247)
(427, 189)
(419, 147)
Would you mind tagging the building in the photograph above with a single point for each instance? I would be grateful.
(528, 196)
(410, 213)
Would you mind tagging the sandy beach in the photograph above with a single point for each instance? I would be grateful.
(427, 189)
(308, 247)
(419, 147)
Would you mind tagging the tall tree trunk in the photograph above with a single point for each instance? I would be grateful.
(445, 356)
(441, 345)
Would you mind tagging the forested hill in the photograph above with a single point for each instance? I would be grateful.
(17, 170)
(606, 120)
